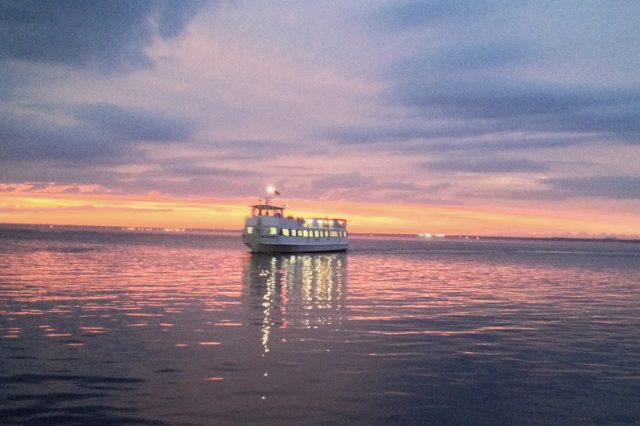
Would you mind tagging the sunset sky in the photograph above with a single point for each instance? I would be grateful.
(457, 117)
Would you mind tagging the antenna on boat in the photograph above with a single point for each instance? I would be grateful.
(271, 191)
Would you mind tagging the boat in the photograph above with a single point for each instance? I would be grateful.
(268, 230)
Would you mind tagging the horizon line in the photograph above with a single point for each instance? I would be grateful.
(179, 230)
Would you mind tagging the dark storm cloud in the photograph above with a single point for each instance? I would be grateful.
(489, 165)
(613, 187)
(104, 33)
(135, 124)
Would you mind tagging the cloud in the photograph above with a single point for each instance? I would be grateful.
(30, 137)
(102, 34)
(358, 187)
(595, 188)
(480, 56)
(101, 134)
(494, 99)
(341, 181)
(135, 124)
(470, 84)
(473, 96)
(613, 187)
(489, 165)
(257, 149)
(408, 15)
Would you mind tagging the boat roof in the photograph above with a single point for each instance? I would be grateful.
(280, 209)
(267, 207)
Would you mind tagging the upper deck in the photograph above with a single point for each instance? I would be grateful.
(269, 210)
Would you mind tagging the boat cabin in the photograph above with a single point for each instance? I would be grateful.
(266, 210)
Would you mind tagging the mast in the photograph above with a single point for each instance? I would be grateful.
(271, 191)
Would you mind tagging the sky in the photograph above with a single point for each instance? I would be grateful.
(459, 117)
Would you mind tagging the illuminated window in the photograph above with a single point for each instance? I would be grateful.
(249, 229)
(316, 233)
(305, 233)
(285, 232)
(273, 230)
(293, 232)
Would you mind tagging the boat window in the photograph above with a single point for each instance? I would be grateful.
(249, 229)
(285, 232)
(293, 233)
(273, 230)
(305, 233)
(316, 233)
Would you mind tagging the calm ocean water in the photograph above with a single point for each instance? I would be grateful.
(132, 328)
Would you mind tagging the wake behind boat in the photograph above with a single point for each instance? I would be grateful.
(267, 230)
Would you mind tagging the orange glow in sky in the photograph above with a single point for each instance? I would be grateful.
(158, 211)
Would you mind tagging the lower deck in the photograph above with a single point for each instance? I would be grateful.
(279, 236)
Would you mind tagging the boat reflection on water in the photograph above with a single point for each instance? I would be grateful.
(296, 291)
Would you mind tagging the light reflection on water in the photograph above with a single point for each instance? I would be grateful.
(304, 290)
(141, 328)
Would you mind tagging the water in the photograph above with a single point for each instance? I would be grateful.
(127, 328)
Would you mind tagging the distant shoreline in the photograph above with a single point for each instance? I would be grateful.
(168, 230)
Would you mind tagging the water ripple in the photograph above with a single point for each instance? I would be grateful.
(99, 327)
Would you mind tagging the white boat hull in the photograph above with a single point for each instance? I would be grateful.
(259, 247)
(269, 231)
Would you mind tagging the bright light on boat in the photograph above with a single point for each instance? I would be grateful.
(271, 190)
